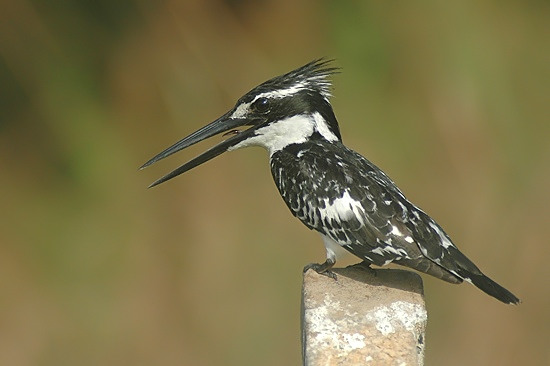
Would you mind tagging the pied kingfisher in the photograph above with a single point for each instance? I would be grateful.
(329, 187)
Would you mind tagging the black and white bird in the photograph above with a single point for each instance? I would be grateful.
(329, 187)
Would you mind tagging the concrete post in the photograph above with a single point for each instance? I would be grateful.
(365, 317)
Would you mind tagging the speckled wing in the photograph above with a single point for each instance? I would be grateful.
(341, 194)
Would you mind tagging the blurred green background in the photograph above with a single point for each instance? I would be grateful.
(451, 99)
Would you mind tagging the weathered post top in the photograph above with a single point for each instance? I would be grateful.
(365, 317)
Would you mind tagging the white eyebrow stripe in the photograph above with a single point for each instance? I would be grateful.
(281, 93)
(242, 109)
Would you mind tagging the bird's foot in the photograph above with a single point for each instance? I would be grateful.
(322, 268)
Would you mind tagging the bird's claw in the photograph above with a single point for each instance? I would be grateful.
(322, 269)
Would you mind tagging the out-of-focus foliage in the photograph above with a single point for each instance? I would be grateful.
(450, 98)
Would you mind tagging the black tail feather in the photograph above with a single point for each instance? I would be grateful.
(468, 271)
(492, 288)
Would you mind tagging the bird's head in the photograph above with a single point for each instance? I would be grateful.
(287, 109)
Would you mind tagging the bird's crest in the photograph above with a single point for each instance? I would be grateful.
(313, 76)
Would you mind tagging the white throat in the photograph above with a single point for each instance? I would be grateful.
(293, 130)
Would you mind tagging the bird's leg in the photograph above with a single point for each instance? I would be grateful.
(323, 268)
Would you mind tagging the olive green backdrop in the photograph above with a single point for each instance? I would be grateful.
(451, 99)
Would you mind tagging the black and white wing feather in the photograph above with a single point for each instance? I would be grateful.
(342, 195)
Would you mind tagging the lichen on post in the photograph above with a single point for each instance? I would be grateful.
(366, 316)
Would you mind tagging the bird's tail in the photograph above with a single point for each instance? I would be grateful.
(455, 267)
(490, 287)
(466, 270)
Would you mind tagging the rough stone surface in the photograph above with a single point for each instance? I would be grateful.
(365, 317)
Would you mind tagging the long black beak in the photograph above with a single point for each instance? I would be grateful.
(222, 124)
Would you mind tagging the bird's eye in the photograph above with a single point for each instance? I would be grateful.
(261, 105)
